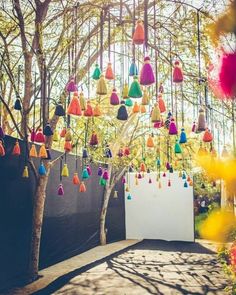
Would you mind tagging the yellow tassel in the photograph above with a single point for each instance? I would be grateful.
(156, 114)
(127, 189)
(43, 152)
(82, 101)
(56, 136)
(33, 152)
(101, 86)
(97, 111)
(25, 172)
(146, 98)
(125, 92)
(180, 174)
(65, 171)
(68, 136)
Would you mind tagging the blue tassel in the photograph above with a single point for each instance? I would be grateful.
(184, 176)
(158, 162)
(133, 70)
(185, 184)
(42, 169)
(85, 154)
(129, 197)
(183, 137)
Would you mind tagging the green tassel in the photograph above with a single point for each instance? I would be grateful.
(178, 149)
(97, 73)
(135, 90)
(129, 102)
(85, 174)
(102, 182)
(65, 171)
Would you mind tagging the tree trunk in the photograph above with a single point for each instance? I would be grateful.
(38, 210)
(107, 193)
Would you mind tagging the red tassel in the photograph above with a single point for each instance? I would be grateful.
(67, 146)
(177, 73)
(16, 149)
(63, 132)
(76, 179)
(94, 139)
(109, 75)
(89, 110)
(227, 75)
(2, 150)
(39, 137)
(74, 107)
(139, 34)
(207, 137)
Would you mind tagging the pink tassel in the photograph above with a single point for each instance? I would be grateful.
(71, 86)
(105, 175)
(60, 190)
(89, 170)
(194, 127)
(147, 75)
(227, 75)
(123, 180)
(172, 128)
(177, 73)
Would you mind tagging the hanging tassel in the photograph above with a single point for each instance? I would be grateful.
(139, 34)
(178, 149)
(93, 139)
(17, 105)
(114, 99)
(100, 171)
(82, 101)
(102, 182)
(155, 115)
(180, 174)
(147, 75)
(74, 107)
(65, 171)
(67, 146)
(129, 197)
(89, 170)
(227, 77)
(108, 152)
(129, 102)
(184, 176)
(85, 174)
(33, 152)
(97, 72)
(120, 153)
(76, 179)
(82, 187)
(59, 110)
(201, 121)
(167, 165)
(85, 154)
(2, 149)
(185, 184)
(39, 137)
(125, 92)
(63, 132)
(47, 131)
(142, 167)
(164, 174)
(89, 110)
(25, 173)
(56, 136)
(42, 170)
(188, 178)
(123, 180)
(150, 142)
(169, 182)
(109, 75)
(105, 175)
(16, 149)
(68, 135)
(207, 136)
(101, 86)
(122, 113)
(133, 70)
(171, 170)
(177, 73)
(150, 180)
(32, 135)
(135, 108)
(115, 195)
(194, 127)
(142, 109)
(159, 184)
(183, 137)
(60, 190)
(161, 104)
(96, 111)
(172, 127)
(71, 85)
(135, 90)
(145, 98)
(161, 88)
(126, 151)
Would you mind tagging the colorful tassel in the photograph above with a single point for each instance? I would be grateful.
(183, 137)
(155, 115)
(133, 70)
(89, 170)
(85, 154)
(39, 137)
(47, 131)
(59, 110)
(135, 108)
(122, 113)
(67, 146)
(100, 171)
(126, 151)
(129, 197)
(102, 86)
(85, 174)
(68, 135)
(145, 98)
(161, 104)
(108, 152)
(177, 73)
(185, 184)
(167, 165)
(102, 182)
(129, 102)
(109, 75)
(71, 86)
(178, 149)
(74, 107)
(125, 91)
(147, 76)
(207, 136)
(82, 187)
(17, 105)
(42, 170)
(150, 142)
(135, 90)
(169, 182)
(142, 167)
(114, 99)
(89, 110)
(96, 111)
(56, 136)
(25, 173)
(76, 179)
(139, 33)
(93, 139)
(172, 127)
(97, 72)
(105, 175)
(60, 190)
(142, 109)
(32, 135)
(201, 121)
(63, 132)
(33, 152)
(16, 149)
(194, 127)
(65, 171)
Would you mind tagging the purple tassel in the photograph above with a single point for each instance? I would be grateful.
(123, 180)
(168, 166)
(150, 180)
(139, 176)
(120, 153)
(194, 127)
(71, 86)
(147, 75)
(100, 172)
(89, 170)
(114, 99)
(2, 134)
(60, 190)
(105, 175)
(32, 135)
(172, 128)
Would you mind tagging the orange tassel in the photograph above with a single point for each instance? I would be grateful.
(161, 104)
(207, 137)
(142, 109)
(135, 108)
(67, 146)
(89, 110)
(139, 35)
(150, 142)
(74, 107)
(63, 132)
(2, 150)
(33, 152)
(43, 152)
(16, 149)
(143, 167)
(82, 187)
(96, 111)
(76, 179)
(109, 75)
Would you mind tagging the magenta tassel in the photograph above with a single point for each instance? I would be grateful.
(32, 135)
(123, 180)
(71, 86)
(60, 190)
(194, 127)
(89, 170)
(105, 175)
(168, 166)
(147, 75)
(227, 77)
(139, 176)
(114, 99)
(172, 128)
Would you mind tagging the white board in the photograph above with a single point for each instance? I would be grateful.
(159, 213)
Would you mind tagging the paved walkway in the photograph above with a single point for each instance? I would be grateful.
(149, 267)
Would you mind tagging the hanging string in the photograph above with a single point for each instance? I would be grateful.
(48, 93)
(171, 78)
(133, 29)
(60, 177)
(146, 25)
(101, 39)
(109, 35)
(155, 44)
(199, 46)
(75, 43)
(89, 52)
(114, 61)
(182, 106)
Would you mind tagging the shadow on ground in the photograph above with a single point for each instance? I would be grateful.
(149, 267)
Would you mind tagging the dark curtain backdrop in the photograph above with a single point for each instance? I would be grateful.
(71, 222)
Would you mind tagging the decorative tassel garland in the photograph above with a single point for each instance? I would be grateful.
(133, 70)
(60, 190)
(109, 75)
(150, 142)
(16, 149)
(42, 170)
(25, 173)
(114, 99)
(39, 137)
(47, 131)
(74, 107)
(102, 86)
(82, 187)
(155, 115)
(65, 171)
(43, 152)
(172, 127)
(33, 152)
(177, 73)
(135, 90)
(97, 72)
(147, 76)
(139, 33)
